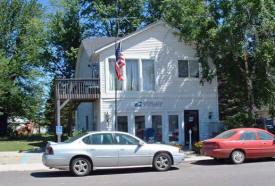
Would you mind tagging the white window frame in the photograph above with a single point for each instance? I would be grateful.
(125, 76)
(189, 59)
(163, 128)
(154, 62)
(179, 123)
(124, 82)
(107, 75)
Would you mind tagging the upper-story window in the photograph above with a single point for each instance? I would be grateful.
(113, 77)
(148, 75)
(132, 77)
(188, 68)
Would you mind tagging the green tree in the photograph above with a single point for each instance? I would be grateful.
(65, 32)
(21, 46)
(153, 10)
(238, 35)
(100, 16)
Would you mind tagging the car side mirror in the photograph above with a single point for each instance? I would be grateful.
(141, 143)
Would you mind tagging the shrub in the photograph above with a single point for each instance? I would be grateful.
(197, 147)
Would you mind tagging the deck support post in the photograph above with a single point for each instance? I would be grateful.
(76, 91)
(58, 118)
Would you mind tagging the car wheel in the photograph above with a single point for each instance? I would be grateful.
(162, 162)
(237, 157)
(80, 166)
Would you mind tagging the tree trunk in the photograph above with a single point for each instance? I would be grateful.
(3, 124)
(250, 95)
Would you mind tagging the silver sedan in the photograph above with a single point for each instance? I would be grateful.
(105, 150)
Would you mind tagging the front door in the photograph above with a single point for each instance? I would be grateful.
(191, 121)
(102, 150)
(130, 152)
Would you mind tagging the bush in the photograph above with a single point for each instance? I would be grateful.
(197, 147)
(240, 119)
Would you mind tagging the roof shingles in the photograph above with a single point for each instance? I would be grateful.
(94, 44)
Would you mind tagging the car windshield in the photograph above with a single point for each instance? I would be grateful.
(70, 140)
(226, 134)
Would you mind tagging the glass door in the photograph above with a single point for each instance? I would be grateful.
(157, 126)
(173, 128)
(140, 126)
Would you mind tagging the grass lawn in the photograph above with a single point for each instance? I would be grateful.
(24, 143)
(20, 145)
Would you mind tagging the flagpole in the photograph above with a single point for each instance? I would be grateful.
(117, 23)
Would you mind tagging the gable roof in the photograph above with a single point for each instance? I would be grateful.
(134, 34)
(91, 45)
(96, 45)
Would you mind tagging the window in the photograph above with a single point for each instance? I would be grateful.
(194, 69)
(123, 139)
(226, 134)
(148, 74)
(132, 77)
(113, 77)
(139, 126)
(264, 136)
(250, 135)
(188, 68)
(99, 139)
(72, 139)
(122, 123)
(157, 126)
(183, 68)
(173, 128)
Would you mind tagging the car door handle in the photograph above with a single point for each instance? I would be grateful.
(92, 149)
(122, 149)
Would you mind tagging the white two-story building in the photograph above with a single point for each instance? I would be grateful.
(161, 87)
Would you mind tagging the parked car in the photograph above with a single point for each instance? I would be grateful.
(104, 150)
(270, 126)
(240, 144)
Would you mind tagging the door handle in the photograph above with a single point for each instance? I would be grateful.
(122, 149)
(92, 149)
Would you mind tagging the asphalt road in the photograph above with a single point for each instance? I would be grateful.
(206, 173)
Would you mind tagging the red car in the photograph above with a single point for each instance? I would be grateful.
(239, 144)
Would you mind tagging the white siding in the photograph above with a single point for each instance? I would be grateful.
(175, 94)
(84, 110)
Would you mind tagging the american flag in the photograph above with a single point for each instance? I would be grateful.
(120, 62)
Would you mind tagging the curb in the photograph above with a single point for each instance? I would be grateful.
(41, 167)
(23, 167)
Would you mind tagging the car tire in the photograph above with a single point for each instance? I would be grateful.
(162, 162)
(80, 166)
(237, 157)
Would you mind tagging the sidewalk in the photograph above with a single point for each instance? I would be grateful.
(32, 161)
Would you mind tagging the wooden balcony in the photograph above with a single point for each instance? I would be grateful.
(77, 89)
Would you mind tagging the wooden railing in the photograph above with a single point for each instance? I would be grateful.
(78, 89)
